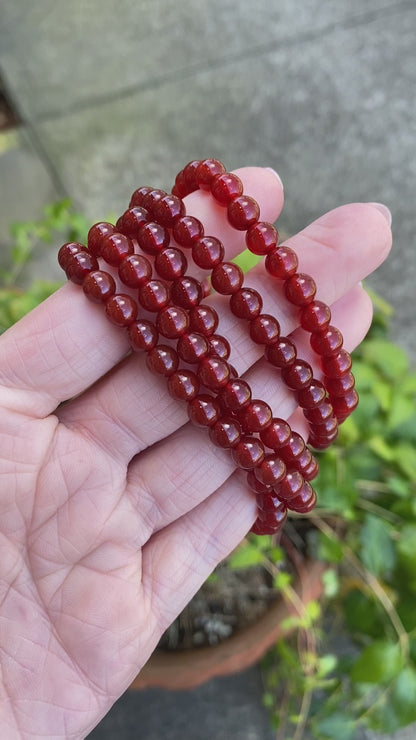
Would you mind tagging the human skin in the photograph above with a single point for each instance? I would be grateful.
(113, 508)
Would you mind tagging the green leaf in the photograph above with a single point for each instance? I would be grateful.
(330, 583)
(377, 549)
(403, 696)
(329, 549)
(402, 408)
(245, 557)
(406, 554)
(390, 359)
(405, 455)
(381, 448)
(378, 663)
(338, 725)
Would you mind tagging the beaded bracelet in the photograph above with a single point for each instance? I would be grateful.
(279, 476)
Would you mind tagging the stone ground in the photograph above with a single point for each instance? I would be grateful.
(112, 93)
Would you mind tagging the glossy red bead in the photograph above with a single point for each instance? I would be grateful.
(143, 335)
(255, 416)
(207, 252)
(213, 372)
(340, 386)
(219, 346)
(115, 247)
(305, 501)
(121, 309)
(203, 410)
(172, 322)
(203, 319)
(243, 212)
(152, 198)
(189, 175)
(322, 442)
(327, 428)
(327, 341)
(320, 413)
(171, 263)
(137, 199)
(132, 220)
(257, 487)
(162, 360)
(96, 235)
(282, 353)
(267, 501)
(298, 375)
(226, 187)
(79, 266)
(312, 395)
(315, 316)
(310, 471)
(98, 286)
(153, 238)
(187, 230)
(334, 366)
(227, 278)
(290, 485)
(154, 295)
(168, 210)
(246, 303)
(186, 292)
(344, 405)
(67, 251)
(261, 238)
(183, 385)
(206, 171)
(271, 470)
(264, 329)
(135, 270)
(276, 434)
(272, 521)
(300, 289)
(259, 528)
(225, 433)
(293, 448)
(248, 452)
(281, 263)
(192, 347)
(235, 396)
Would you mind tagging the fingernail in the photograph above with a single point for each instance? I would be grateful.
(384, 210)
(275, 174)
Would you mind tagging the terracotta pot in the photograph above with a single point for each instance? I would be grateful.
(184, 669)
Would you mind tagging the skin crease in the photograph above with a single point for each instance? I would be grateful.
(113, 509)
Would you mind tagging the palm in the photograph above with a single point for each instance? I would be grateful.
(112, 518)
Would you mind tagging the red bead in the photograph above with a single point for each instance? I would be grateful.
(271, 470)
(143, 335)
(276, 434)
(187, 230)
(121, 309)
(327, 428)
(172, 322)
(226, 187)
(167, 210)
(153, 238)
(207, 252)
(340, 386)
(344, 405)
(235, 396)
(227, 278)
(267, 501)
(298, 375)
(154, 295)
(225, 433)
(137, 199)
(282, 263)
(132, 220)
(206, 287)
(162, 360)
(311, 396)
(322, 442)
(257, 487)
(189, 175)
(289, 486)
(243, 212)
(264, 329)
(328, 341)
(186, 292)
(248, 452)
(274, 520)
(203, 410)
(311, 471)
(115, 247)
(96, 235)
(255, 416)
(246, 303)
(260, 528)
(261, 238)
(67, 251)
(219, 346)
(292, 449)
(79, 266)
(152, 198)
(135, 270)
(334, 366)
(206, 171)
(98, 286)
(179, 187)
(213, 372)
(183, 385)
(171, 263)
(203, 319)
(281, 353)
(315, 315)
(304, 501)
(319, 414)
(300, 289)
(192, 347)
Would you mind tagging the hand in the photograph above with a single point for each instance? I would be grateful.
(114, 510)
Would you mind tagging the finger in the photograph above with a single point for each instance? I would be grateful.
(108, 413)
(66, 343)
(174, 476)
